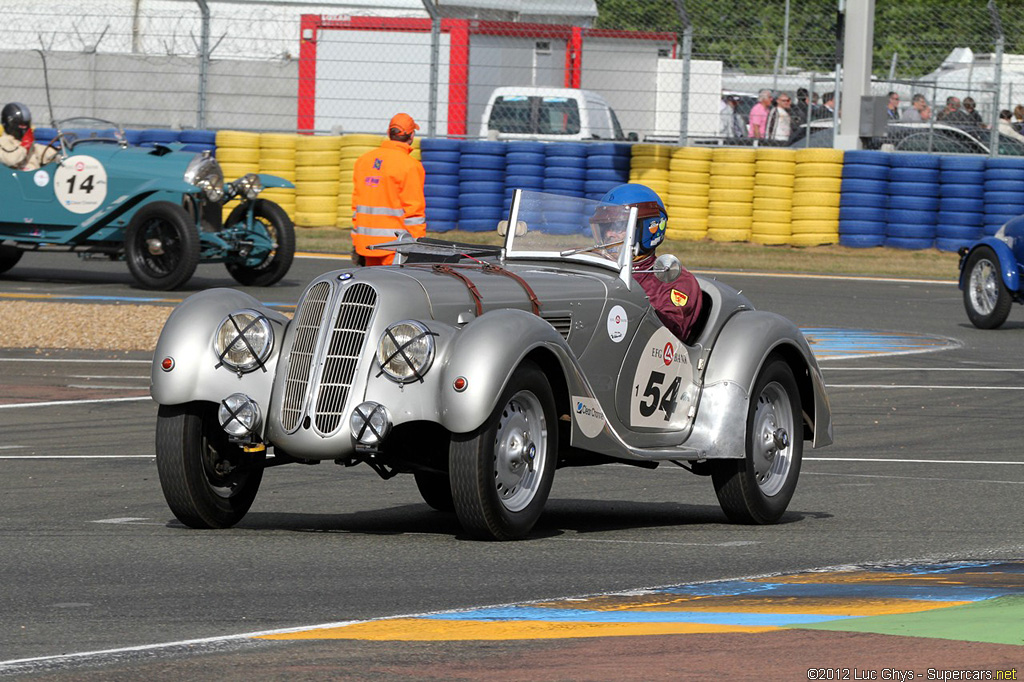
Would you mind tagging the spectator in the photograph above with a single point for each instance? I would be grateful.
(1006, 126)
(801, 108)
(388, 198)
(926, 113)
(952, 113)
(759, 114)
(912, 114)
(971, 111)
(732, 125)
(893, 106)
(828, 108)
(779, 126)
(1018, 118)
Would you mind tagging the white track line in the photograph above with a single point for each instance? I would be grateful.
(57, 403)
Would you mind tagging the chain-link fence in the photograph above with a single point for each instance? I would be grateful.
(283, 66)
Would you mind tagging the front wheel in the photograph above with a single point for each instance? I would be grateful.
(271, 222)
(757, 489)
(501, 473)
(208, 481)
(986, 298)
(161, 246)
(9, 257)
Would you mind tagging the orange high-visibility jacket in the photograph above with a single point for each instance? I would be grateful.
(388, 196)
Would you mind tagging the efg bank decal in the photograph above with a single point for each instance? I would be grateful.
(589, 415)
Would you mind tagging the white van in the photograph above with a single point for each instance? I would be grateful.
(530, 113)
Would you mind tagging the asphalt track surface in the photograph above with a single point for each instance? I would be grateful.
(926, 473)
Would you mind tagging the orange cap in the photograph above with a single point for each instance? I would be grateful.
(404, 123)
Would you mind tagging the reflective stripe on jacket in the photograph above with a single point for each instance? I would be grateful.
(388, 196)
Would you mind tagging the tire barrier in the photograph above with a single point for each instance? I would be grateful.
(817, 183)
(731, 194)
(481, 172)
(771, 221)
(961, 215)
(317, 179)
(913, 201)
(1003, 199)
(238, 153)
(607, 167)
(277, 157)
(649, 166)
(689, 171)
(864, 196)
(440, 158)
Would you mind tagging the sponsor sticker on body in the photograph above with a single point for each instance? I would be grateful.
(588, 415)
(663, 390)
(80, 184)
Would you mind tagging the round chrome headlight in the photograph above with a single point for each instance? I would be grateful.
(244, 340)
(204, 172)
(248, 186)
(405, 351)
(239, 415)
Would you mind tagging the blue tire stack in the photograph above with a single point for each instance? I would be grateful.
(1004, 198)
(198, 140)
(481, 185)
(961, 201)
(913, 201)
(565, 168)
(524, 168)
(151, 136)
(440, 159)
(607, 167)
(863, 216)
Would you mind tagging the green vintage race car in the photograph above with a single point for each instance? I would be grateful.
(158, 208)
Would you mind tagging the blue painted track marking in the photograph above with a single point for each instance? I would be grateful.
(837, 344)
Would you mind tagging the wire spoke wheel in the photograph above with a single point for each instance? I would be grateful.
(986, 298)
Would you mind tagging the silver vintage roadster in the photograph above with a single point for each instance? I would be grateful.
(480, 370)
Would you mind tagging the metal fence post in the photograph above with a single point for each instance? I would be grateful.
(997, 26)
(684, 99)
(435, 56)
(204, 62)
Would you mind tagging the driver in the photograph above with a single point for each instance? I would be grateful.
(678, 302)
(18, 148)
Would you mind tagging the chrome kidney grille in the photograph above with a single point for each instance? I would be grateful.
(340, 347)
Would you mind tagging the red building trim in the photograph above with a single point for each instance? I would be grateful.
(574, 58)
(308, 34)
(458, 74)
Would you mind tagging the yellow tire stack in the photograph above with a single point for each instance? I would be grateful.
(773, 195)
(731, 194)
(818, 176)
(689, 170)
(316, 180)
(277, 157)
(649, 166)
(238, 153)
(352, 147)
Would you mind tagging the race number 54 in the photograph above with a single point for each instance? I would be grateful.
(655, 397)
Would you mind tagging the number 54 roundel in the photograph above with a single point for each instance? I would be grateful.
(663, 384)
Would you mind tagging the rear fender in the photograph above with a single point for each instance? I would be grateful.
(745, 344)
(187, 339)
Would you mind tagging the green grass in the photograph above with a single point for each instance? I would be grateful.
(709, 255)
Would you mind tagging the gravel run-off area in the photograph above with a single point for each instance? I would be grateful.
(38, 325)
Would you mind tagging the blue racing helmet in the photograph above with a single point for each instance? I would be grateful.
(651, 216)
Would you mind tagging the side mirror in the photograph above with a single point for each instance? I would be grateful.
(520, 228)
(667, 267)
(633, 137)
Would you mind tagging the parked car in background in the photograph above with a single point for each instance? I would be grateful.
(990, 275)
(480, 371)
(158, 208)
(536, 113)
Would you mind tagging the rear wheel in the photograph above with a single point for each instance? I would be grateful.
(501, 473)
(986, 298)
(161, 246)
(208, 481)
(9, 257)
(757, 489)
(272, 219)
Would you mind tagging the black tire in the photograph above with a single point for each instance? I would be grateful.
(497, 494)
(162, 246)
(281, 231)
(436, 490)
(9, 257)
(208, 481)
(986, 298)
(757, 489)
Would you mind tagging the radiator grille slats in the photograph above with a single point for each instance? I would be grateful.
(307, 323)
(344, 347)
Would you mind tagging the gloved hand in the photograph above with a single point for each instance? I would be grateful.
(28, 139)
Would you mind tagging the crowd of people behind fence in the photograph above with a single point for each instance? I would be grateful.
(775, 117)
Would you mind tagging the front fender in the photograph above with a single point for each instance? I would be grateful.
(486, 352)
(274, 181)
(187, 339)
(1007, 262)
(742, 348)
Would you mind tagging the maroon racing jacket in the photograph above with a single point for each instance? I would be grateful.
(677, 303)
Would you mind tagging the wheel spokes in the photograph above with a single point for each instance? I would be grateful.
(519, 450)
(772, 430)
